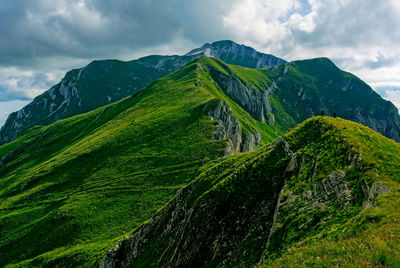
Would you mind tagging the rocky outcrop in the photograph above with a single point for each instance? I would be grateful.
(373, 192)
(255, 101)
(228, 128)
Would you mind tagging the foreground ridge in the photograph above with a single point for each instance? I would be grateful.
(322, 180)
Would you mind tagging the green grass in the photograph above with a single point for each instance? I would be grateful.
(366, 237)
(70, 190)
(78, 185)
(231, 206)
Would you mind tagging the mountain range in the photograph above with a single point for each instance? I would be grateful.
(106, 81)
(214, 158)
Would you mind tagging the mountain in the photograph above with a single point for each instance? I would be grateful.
(104, 82)
(300, 89)
(304, 88)
(325, 194)
(71, 190)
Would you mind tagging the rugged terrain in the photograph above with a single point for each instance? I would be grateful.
(81, 184)
(324, 194)
(106, 81)
(295, 91)
(78, 184)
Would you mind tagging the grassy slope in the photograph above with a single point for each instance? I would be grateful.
(239, 194)
(371, 238)
(99, 83)
(85, 181)
(70, 190)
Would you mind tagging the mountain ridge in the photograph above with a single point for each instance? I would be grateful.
(79, 174)
(104, 81)
(252, 209)
(71, 190)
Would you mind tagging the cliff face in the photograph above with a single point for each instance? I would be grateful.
(254, 100)
(252, 208)
(228, 128)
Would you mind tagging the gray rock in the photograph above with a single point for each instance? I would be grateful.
(256, 103)
(373, 193)
(229, 128)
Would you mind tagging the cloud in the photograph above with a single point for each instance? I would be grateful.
(25, 85)
(43, 39)
(100, 28)
(8, 106)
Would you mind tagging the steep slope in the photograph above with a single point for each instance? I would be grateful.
(103, 82)
(70, 190)
(320, 189)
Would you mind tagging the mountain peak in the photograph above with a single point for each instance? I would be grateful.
(233, 53)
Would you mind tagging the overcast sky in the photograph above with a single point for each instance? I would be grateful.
(42, 39)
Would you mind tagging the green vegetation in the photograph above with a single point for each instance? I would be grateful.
(367, 237)
(69, 191)
(339, 206)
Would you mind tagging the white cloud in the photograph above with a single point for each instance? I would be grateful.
(25, 85)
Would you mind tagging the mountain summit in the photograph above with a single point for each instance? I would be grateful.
(233, 53)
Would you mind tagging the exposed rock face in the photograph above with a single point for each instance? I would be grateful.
(383, 124)
(256, 103)
(229, 128)
(373, 193)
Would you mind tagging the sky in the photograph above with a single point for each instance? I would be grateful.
(42, 39)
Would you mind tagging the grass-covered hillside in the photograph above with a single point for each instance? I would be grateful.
(69, 191)
(325, 194)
